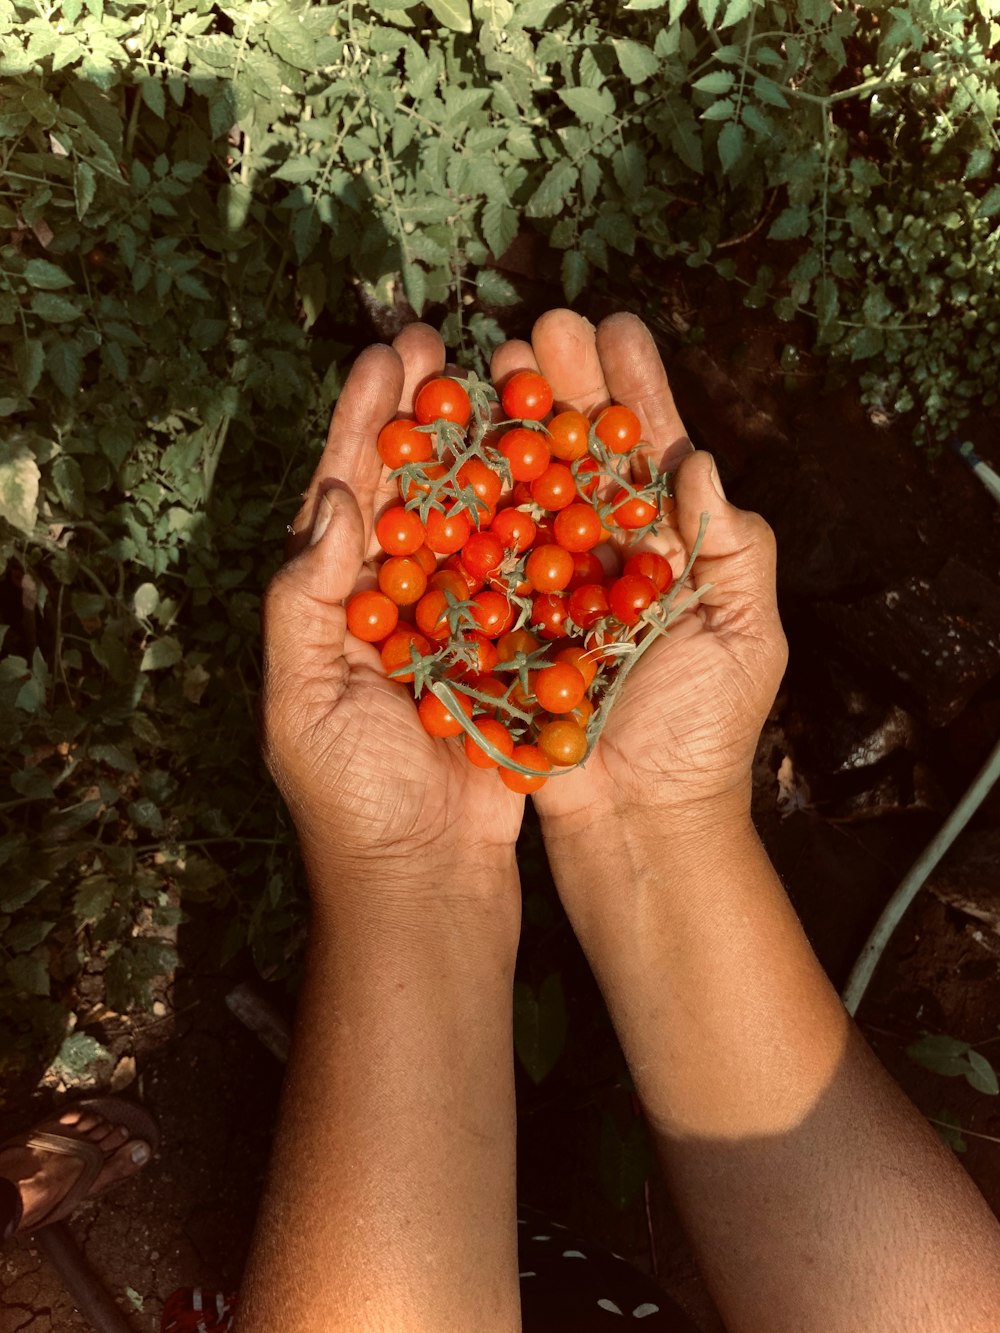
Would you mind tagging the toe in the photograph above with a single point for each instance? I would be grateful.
(125, 1161)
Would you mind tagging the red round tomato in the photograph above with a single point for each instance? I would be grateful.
(457, 566)
(526, 453)
(527, 395)
(400, 442)
(548, 568)
(371, 616)
(568, 435)
(515, 528)
(432, 614)
(492, 612)
(578, 527)
(588, 604)
(513, 642)
(437, 717)
(558, 688)
(588, 476)
(586, 569)
(447, 532)
(402, 580)
(619, 429)
(548, 615)
(587, 667)
(400, 531)
(426, 559)
(450, 580)
(492, 686)
(478, 477)
(632, 511)
(395, 652)
(653, 566)
(480, 653)
(630, 595)
(442, 398)
(482, 553)
(563, 741)
(531, 757)
(555, 488)
(498, 736)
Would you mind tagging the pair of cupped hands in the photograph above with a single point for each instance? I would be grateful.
(374, 798)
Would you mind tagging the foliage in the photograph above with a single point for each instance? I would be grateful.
(954, 1059)
(197, 201)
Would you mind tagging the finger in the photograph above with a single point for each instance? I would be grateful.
(422, 353)
(303, 610)
(367, 401)
(566, 352)
(635, 375)
(737, 555)
(509, 358)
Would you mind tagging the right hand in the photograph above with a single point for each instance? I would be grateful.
(681, 738)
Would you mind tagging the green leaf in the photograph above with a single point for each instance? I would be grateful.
(453, 14)
(981, 1075)
(492, 288)
(724, 109)
(941, 1054)
(77, 1053)
(45, 276)
(539, 1025)
(718, 81)
(154, 97)
(589, 105)
(990, 203)
(93, 898)
(29, 361)
(736, 12)
(499, 226)
(551, 196)
(638, 62)
(19, 479)
(638, 5)
(768, 91)
(789, 223)
(28, 975)
(84, 188)
(575, 271)
(415, 285)
(56, 309)
(160, 654)
(69, 484)
(64, 360)
(731, 142)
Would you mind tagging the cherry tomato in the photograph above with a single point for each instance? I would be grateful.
(527, 395)
(588, 604)
(515, 528)
(578, 527)
(526, 453)
(395, 652)
(531, 757)
(482, 553)
(492, 612)
(371, 616)
(587, 667)
(450, 580)
(588, 476)
(400, 442)
(563, 741)
(497, 734)
(402, 580)
(524, 699)
(399, 531)
(653, 566)
(630, 595)
(586, 569)
(437, 717)
(582, 713)
(548, 615)
(447, 532)
(555, 488)
(568, 434)
(558, 687)
(619, 429)
(426, 559)
(481, 652)
(492, 686)
(513, 642)
(432, 614)
(632, 511)
(442, 398)
(477, 476)
(548, 568)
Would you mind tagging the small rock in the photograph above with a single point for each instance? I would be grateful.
(124, 1073)
(159, 1008)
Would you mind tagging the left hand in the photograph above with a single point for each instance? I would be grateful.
(378, 804)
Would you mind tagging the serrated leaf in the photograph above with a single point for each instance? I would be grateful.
(55, 309)
(160, 654)
(551, 195)
(415, 286)
(731, 142)
(64, 361)
(94, 896)
(46, 277)
(539, 1025)
(154, 97)
(19, 481)
(500, 226)
(718, 81)
(84, 188)
(990, 203)
(736, 12)
(768, 91)
(492, 288)
(453, 14)
(29, 361)
(638, 5)
(68, 481)
(638, 62)
(588, 104)
(575, 271)
(724, 109)
(790, 223)
(979, 163)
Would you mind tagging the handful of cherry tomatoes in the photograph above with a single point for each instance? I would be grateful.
(501, 600)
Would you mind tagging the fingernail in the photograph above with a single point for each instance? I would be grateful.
(323, 515)
(140, 1153)
(716, 482)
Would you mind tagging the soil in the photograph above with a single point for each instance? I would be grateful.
(889, 581)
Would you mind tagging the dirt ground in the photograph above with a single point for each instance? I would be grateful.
(889, 580)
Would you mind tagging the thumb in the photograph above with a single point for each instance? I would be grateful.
(304, 602)
(737, 555)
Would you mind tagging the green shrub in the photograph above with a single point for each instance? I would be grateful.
(193, 202)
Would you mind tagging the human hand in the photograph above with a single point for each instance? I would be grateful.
(377, 803)
(680, 739)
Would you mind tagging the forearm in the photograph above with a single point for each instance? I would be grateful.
(391, 1200)
(788, 1148)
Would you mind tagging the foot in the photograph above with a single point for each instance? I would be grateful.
(46, 1177)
